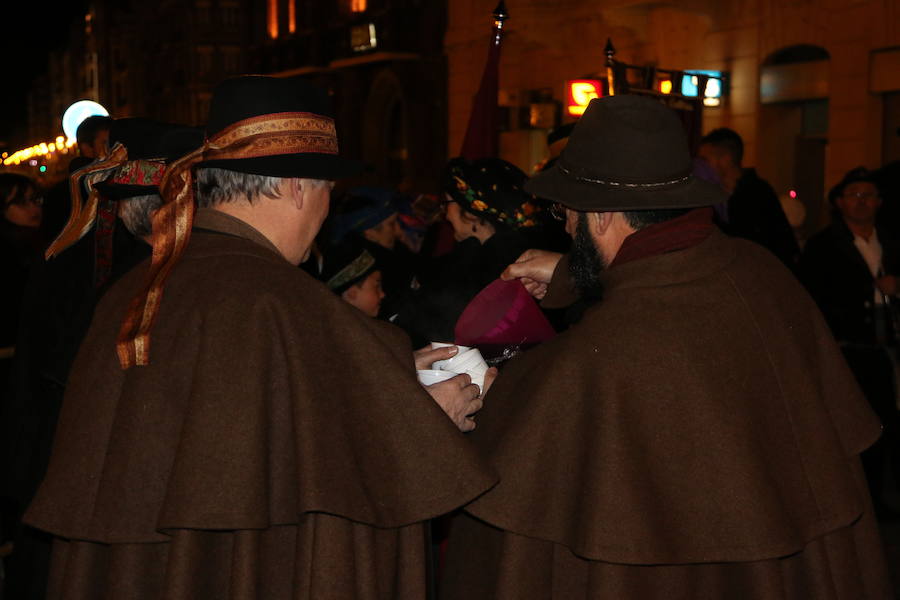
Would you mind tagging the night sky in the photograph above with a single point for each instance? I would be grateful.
(29, 29)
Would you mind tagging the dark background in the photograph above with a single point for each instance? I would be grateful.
(29, 30)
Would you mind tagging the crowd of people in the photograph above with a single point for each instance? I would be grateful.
(210, 350)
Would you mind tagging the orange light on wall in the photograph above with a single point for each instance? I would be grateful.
(273, 19)
(665, 86)
(292, 16)
(579, 93)
(357, 6)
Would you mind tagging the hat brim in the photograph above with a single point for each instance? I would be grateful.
(555, 185)
(308, 165)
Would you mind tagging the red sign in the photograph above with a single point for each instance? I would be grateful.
(579, 93)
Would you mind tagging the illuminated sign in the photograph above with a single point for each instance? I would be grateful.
(712, 95)
(77, 113)
(665, 86)
(579, 93)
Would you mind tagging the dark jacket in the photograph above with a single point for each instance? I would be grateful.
(839, 280)
(755, 214)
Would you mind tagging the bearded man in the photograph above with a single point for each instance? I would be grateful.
(696, 434)
(231, 428)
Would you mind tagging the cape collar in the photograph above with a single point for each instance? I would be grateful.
(219, 222)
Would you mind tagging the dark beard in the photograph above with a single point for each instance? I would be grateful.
(585, 266)
(585, 263)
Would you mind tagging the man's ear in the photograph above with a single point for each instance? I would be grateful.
(350, 293)
(295, 191)
(599, 222)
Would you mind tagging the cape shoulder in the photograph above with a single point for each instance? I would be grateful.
(708, 419)
(266, 398)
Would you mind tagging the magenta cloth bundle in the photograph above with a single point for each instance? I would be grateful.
(502, 314)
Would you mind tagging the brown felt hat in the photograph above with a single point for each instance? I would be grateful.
(625, 153)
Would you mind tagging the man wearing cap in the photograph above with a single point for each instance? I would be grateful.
(696, 434)
(217, 439)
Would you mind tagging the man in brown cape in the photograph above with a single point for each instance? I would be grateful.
(696, 434)
(231, 428)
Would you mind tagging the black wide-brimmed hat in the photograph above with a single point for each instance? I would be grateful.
(241, 98)
(625, 153)
(151, 145)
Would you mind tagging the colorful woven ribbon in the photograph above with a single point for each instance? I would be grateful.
(267, 135)
(82, 216)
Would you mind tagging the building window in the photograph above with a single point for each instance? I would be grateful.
(357, 6)
(292, 16)
(203, 12)
(231, 58)
(230, 14)
(204, 59)
(273, 19)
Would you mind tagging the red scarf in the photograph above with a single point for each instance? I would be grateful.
(681, 233)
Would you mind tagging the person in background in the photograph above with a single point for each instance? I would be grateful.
(850, 268)
(754, 211)
(351, 272)
(21, 246)
(92, 136)
(494, 220)
(370, 216)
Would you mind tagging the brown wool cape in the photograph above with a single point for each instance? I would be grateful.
(277, 446)
(696, 435)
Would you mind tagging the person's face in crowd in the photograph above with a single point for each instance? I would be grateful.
(385, 233)
(717, 158)
(465, 225)
(859, 203)
(98, 147)
(585, 260)
(366, 295)
(24, 208)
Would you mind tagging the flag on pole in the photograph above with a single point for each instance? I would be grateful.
(481, 140)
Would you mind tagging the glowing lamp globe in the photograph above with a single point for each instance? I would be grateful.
(77, 113)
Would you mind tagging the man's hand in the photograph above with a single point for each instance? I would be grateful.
(534, 268)
(887, 284)
(427, 356)
(460, 399)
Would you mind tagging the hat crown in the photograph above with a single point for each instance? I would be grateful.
(248, 96)
(630, 140)
(149, 139)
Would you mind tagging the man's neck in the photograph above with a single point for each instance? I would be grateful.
(264, 217)
(862, 230)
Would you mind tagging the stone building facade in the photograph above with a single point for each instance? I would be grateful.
(382, 61)
(814, 85)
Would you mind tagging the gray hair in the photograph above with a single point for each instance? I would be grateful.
(218, 186)
(137, 213)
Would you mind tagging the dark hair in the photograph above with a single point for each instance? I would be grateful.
(90, 127)
(638, 219)
(857, 175)
(727, 140)
(13, 186)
